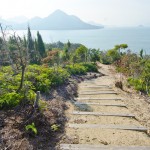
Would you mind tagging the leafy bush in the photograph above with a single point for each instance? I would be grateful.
(37, 78)
(58, 76)
(10, 100)
(42, 83)
(90, 67)
(43, 78)
(76, 69)
(105, 59)
(137, 83)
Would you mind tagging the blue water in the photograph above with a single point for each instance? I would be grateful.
(137, 38)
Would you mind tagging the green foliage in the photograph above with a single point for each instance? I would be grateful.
(30, 43)
(1, 43)
(20, 81)
(42, 105)
(74, 58)
(137, 83)
(40, 45)
(121, 46)
(95, 55)
(105, 59)
(141, 53)
(55, 127)
(81, 69)
(10, 100)
(60, 45)
(137, 68)
(58, 76)
(31, 95)
(30, 46)
(90, 67)
(12, 47)
(81, 52)
(114, 54)
(42, 83)
(76, 69)
(44, 78)
(31, 127)
(37, 78)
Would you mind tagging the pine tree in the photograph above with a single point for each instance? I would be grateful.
(24, 41)
(40, 45)
(37, 55)
(30, 46)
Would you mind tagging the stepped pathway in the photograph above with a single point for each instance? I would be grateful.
(100, 120)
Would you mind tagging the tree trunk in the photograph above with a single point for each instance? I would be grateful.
(22, 78)
(36, 103)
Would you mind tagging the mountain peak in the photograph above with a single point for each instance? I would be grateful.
(58, 20)
(58, 12)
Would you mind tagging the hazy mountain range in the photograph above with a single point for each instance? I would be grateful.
(58, 20)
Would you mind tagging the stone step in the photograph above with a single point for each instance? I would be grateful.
(109, 126)
(88, 98)
(94, 86)
(102, 114)
(100, 147)
(98, 108)
(98, 104)
(97, 93)
(90, 119)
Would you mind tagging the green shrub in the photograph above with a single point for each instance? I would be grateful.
(42, 83)
(136, 83)
(37, 78)
(76, 69)
(58, 76)
(10, 100)
(90, 67)
(44, 78)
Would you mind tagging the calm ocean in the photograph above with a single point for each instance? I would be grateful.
(137, 38)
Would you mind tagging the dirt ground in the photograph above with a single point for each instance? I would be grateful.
(136, 104)
(13, 135)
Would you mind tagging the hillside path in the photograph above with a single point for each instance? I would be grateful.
(100, 118)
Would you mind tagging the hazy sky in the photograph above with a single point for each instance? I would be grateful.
(107, 12)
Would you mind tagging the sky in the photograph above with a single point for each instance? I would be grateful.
(106, 12)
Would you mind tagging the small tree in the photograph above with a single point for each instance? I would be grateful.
(53, 57)
(30, 46)
(82, 53)
(40, 45)
(114, 54)
(37, 53)
(24, 41)
(74, 58)
(30, 43)
(95, 55)
(18, 58)
(121, 46)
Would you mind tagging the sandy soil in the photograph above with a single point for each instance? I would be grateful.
(13, 135)
(135, 103)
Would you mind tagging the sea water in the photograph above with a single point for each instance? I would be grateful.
(137, 38)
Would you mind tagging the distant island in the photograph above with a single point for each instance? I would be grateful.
(58, 20)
